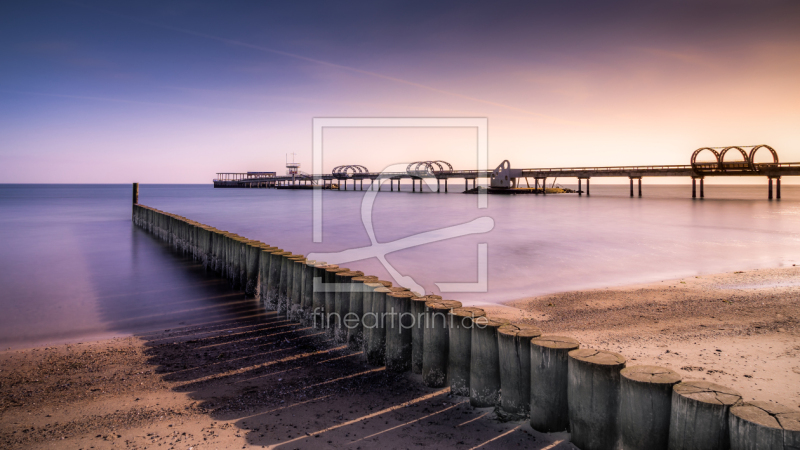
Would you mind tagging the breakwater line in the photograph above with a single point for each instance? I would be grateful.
(603, 402)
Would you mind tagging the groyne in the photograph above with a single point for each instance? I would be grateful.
(594, 394)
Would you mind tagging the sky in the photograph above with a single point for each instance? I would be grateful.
(176, 91)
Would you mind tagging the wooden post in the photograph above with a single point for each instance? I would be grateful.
(699, 415)
(135, 193)
(593, 397)
(644, 407)
(418, 330)
(460, 351)
(757, 425)
(514, 344)
(355, 330)
(398, 331)
(484, 364)
(549, 369)
(436, 342)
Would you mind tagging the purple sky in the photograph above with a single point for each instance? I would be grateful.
(173, 92)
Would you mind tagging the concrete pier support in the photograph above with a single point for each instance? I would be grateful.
(549, 379)
(375, 339)
(418, 330)
(398, 331)
(436, 341)
(777, 188)
(699, 415)
(580, 191)
(770, 188)
(645, 400)
(514, 346)
(484, 364)
(460, 351)
(355, 327)
(762, 425)
(593, 398)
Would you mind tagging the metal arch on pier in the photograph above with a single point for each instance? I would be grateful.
(734, 164)
(349, 170)
(427, 168)
(700, 150)
(752, 156)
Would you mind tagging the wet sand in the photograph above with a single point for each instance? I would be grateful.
(259, 381)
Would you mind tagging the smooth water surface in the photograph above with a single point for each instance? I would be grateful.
(73, 265)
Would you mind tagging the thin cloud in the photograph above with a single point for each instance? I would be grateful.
(324, 63)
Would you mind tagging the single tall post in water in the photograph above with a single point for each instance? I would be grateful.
(136, 193)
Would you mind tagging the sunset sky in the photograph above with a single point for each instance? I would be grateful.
(173, 92)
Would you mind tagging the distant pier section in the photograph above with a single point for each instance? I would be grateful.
(705, 162)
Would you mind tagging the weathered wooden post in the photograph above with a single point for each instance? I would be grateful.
(418, 330)
(253, 250)
(436, 341)
(549, 379)
(273, 288)
(370, 319)
(342, 304)
(514, 346)
(699, 415)
(307, 300)
(762, 425)
(398, 331)
(318, 301)
(593, 397)
(355, 331)
(484, 364)
(294, 311)
(460, 351)
(135, 193)
(331, 286)
(645, 397)
(375, 339)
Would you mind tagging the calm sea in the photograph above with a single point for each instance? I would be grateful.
(72, 266)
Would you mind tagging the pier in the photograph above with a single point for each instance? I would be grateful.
(535, 179)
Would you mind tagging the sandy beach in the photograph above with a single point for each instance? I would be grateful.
(264, 382)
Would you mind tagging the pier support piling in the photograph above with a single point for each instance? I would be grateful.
(777, 188)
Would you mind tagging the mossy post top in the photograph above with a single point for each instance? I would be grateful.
(597, 357)
(651, 374)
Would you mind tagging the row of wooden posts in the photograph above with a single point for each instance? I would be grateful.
(512, 367)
